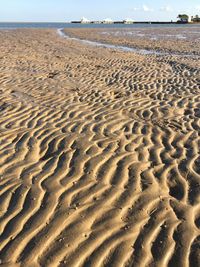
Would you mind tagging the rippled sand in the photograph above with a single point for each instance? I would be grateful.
(99, 155)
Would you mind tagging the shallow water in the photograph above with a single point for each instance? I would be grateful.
(55, 25)
(154, 33)
(118, 47)
(124, 48)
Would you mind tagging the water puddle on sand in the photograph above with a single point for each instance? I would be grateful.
(124, 48)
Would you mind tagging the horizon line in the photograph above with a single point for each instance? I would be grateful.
(79, 20)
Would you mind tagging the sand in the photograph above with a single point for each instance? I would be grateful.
(174, 40)
(99, 155)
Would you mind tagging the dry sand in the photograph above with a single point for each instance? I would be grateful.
(99, 155)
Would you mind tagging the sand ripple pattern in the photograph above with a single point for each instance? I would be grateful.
(99, 155)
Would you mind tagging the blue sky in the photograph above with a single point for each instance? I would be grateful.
(67, 10)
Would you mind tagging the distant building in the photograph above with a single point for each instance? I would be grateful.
(85, 21)
(128, 21)
(96, 22)
(195, 19)
(107, 21)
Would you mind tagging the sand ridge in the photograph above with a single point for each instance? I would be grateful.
(99, 154)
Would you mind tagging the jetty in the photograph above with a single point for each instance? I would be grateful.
(126, 21)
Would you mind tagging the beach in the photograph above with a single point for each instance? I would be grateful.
(170, 40)
(99, 150)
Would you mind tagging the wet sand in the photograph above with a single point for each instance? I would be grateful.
(181, 40)
(99, 150)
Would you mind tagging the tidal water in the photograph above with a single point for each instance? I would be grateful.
(19, 25)
(124, 48)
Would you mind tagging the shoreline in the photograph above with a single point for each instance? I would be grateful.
(137, 22)
(18, 25)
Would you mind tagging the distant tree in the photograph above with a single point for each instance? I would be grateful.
(183, 16)
(196, 18)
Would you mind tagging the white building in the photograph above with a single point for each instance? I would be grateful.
(189, 18)
(128, 21)
(107, 21)
(85, 21)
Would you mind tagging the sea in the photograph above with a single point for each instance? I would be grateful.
(20, 25)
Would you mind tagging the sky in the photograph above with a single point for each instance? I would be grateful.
(67, 10)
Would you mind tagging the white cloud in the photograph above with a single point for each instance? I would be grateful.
(146, 8)
(198, 8)
(136, 8)
(166, 9)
